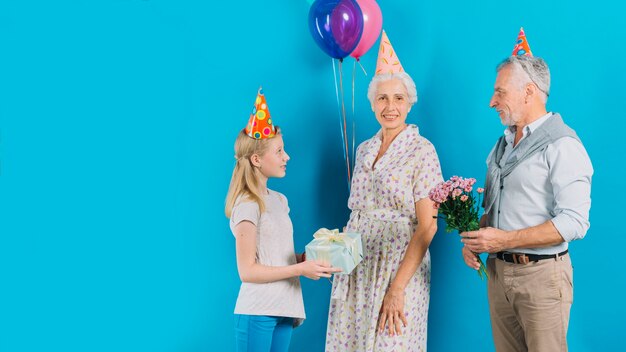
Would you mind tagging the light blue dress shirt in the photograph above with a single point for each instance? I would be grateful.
(553, 184)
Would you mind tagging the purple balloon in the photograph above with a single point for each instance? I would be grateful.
(336, 26)
(346, 23)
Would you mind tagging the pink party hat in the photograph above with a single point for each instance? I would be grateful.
(521, 45)
(388, 61)
(260, 124)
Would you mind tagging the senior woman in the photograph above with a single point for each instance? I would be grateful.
(383, 304)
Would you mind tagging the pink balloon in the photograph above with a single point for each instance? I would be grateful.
(372, 25)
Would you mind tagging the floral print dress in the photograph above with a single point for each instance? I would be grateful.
(382, 200)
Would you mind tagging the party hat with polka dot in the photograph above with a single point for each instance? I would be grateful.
(260, 124)
(388, 61)
(521, 45)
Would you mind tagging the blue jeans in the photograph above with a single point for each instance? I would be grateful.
(261, 333)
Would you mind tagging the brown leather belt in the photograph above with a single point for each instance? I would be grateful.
(522, 258)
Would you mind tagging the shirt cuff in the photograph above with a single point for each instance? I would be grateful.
(569, 228)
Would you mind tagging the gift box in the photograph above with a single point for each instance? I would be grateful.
(341, 250)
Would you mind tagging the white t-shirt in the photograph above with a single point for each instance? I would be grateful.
(274, 239)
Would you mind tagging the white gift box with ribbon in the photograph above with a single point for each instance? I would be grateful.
(340, 250)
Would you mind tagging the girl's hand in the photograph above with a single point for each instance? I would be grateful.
(314, 269)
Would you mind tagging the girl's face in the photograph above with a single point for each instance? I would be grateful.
(274, 162)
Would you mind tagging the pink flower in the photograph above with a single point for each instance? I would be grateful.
(457, 205)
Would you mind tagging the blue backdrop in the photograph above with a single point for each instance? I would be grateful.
(117, 126)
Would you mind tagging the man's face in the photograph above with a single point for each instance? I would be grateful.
(508, 97)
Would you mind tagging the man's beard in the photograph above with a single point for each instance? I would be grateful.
(509, 119)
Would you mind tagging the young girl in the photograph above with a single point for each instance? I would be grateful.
(270, 302)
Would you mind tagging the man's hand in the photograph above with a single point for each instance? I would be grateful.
(488, 239)
(470, 258)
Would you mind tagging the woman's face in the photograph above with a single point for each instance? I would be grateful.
(391, 104)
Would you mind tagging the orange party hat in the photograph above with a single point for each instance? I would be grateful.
(521, 45)
(388, 61)
(260, 124)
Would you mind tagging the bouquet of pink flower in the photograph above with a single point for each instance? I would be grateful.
(459, 207)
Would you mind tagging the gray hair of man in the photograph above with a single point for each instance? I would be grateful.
(530, 70)
(402, 76)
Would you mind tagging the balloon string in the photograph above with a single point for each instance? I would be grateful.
(343, 112)
(362, 68)
(343, 141)
(353, 117)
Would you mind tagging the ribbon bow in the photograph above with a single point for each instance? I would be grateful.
(327, 237)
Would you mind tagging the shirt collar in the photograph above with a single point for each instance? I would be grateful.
(509, 132)
(531, 127)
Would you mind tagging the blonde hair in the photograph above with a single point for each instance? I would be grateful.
(245, 181)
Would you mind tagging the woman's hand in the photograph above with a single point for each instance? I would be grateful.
(392, 312)
(314, 269)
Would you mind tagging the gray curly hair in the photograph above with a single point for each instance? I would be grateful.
(402, 76)
(530, 70)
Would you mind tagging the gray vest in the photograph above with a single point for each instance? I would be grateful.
(552, 129)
